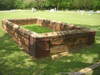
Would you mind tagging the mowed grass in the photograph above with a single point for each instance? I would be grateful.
(13, 61)
(36, 28)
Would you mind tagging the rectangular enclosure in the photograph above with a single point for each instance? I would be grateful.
(63, 37)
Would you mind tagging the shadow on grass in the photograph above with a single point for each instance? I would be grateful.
(96, 71)
(77, 61)
(96, 47)
(13, 61)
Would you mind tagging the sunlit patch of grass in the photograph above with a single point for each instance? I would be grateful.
(37, 28)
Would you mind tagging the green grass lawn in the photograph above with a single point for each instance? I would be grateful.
(37, 28)
(13, 61)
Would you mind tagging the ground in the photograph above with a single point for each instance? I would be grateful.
(36, 28)
(13, 61)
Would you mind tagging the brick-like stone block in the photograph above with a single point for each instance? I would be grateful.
(64, 38)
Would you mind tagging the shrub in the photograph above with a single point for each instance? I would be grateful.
(48, 4)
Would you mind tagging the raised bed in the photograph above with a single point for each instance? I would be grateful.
(64, 38)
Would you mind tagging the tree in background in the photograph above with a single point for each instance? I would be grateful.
(48, 4)
(96, 5)
(19, 4)
(82, 4)
(11, 4)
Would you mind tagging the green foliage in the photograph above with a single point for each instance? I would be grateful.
(11, 4)
(96, 5)
(59, 4)
(48, 4)
(6, 4)
(19, 4)
(71, 4)
(82, 4)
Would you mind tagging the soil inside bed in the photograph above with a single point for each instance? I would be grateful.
(37, 28)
